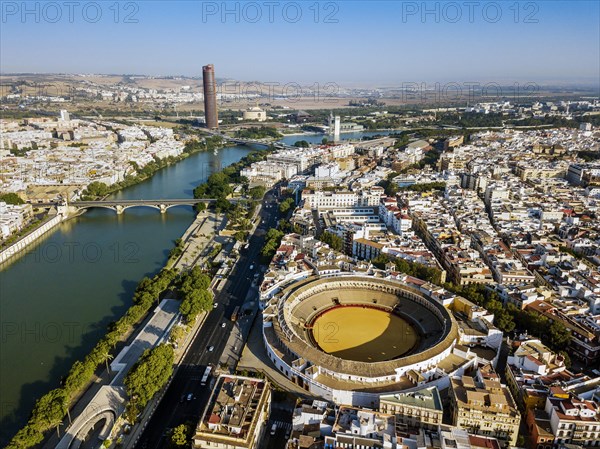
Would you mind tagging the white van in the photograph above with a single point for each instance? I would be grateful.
(273, 429)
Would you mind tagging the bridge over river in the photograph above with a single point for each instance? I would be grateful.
(121, 205)
(267, 142)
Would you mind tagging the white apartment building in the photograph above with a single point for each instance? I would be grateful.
(13, 218)
(574, 421)
(268, 172)
(302, 159)
(337, 199)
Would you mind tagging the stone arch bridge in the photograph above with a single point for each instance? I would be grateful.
(119, 206)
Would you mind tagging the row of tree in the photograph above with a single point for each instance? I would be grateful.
(286, 227)
(210, 143)
(415, 269)
(274, 236)
(425, 187)
(272, 241)
(177, 250)
(50, 410)
(150, 373)
(195, 296)
(257, 192)
(98, 189)
(286, 205)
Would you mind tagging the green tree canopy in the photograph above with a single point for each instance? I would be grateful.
(50, 409)
(335, 242)
(272, 241)
(196, 298)
(96, 189)
(286, 205)
(559, 337)
(11, 198)
(26, 437)
(149, 374)
(255, 132)
(257, 192)
(181, 435)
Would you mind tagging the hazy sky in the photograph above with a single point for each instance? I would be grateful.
(347, 42)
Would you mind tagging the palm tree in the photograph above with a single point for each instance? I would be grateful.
(107, 356)
(65, 404)
(245, 224)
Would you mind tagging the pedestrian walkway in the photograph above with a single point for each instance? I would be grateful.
(197, 238)
(111, 399)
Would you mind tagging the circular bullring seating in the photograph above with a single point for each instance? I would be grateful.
(350, 324)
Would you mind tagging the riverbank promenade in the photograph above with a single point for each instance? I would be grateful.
(108, 403)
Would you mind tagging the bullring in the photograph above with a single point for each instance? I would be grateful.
(348, 337)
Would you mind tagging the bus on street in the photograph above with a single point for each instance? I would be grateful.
(205, 375)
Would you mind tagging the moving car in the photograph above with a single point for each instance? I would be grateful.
(211, 348)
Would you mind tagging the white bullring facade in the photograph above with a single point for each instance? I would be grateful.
(287, 320)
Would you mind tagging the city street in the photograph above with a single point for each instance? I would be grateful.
(282, 408)
(175, 409)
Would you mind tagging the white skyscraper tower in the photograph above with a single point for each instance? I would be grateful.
(336, 128)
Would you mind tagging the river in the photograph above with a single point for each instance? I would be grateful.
(56, 301)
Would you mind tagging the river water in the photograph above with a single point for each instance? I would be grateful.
(56, 301)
